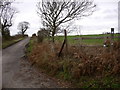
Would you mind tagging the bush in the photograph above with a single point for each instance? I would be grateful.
(43, 33)
(40, 39)
(34, 35)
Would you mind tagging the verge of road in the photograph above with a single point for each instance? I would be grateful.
(42, 73)
(13, 43)
(39, 78)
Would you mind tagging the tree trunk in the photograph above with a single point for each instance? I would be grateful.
(22, 33)
(53, 34)
(53, 39)
(2, 30)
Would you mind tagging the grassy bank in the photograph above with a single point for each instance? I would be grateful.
(31, 45)
(84, 67)
(7, 43)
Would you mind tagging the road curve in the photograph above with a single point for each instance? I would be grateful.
(16, 72)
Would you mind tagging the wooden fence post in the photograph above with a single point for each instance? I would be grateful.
(61, 48)
(112, 34)
(66, 41)
(112, 39)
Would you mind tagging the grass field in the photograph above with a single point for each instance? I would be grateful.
(76, 39)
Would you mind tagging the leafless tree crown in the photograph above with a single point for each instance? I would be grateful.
(23, 26)
(7, 13)
(54, 13)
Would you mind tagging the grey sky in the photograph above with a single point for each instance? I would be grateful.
(104, 18)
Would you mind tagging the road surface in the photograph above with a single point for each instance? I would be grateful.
(17, 73)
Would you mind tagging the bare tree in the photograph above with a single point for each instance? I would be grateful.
(54, 13)
(23, 26)
(7, 13)
(3, 4)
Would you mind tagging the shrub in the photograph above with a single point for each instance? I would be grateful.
(42, 34)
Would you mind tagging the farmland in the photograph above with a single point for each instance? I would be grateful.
(87, 39)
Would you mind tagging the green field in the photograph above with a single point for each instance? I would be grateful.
(73, 40)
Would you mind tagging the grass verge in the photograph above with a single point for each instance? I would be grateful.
(7, 43)
(31, 44)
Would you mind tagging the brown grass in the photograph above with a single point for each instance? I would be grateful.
(80, 61)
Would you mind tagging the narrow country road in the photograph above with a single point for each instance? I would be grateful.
(17, 73)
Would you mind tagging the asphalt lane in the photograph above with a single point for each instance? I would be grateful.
(10, 62)
(18, 73)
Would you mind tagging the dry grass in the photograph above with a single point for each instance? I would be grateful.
(80, 61)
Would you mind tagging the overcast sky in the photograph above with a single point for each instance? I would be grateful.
(104, 18)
